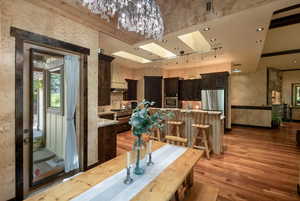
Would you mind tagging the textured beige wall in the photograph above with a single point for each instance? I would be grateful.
(249, 88)
(26, 16)
(288, 78)
(251, 117)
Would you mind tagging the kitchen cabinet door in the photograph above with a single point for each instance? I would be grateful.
(153, 90)
(131, 93)
(104, 79)
(171, 86)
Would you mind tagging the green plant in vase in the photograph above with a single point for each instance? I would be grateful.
(143, 123)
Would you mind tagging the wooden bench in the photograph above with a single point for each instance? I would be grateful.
(202, 192)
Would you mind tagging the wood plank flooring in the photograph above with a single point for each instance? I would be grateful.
(258, 164)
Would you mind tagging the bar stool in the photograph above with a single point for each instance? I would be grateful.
(175, 127)
(201, 139)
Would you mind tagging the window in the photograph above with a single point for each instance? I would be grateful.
(296, 95)
(56, 90)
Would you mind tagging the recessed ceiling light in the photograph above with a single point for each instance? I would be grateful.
(196, 41)
(206, 29)
(259, 29)
(158, 50)
(130, 56)
(236, 70)
(295, 61)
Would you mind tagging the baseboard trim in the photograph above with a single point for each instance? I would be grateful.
(93, 165)
(251, 126)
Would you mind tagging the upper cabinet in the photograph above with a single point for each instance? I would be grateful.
(104, 79)
(211, 81)
(171, 86)
(131, 93)
(190, 90)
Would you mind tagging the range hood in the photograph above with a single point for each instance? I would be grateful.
(118, 87)
(118, 90)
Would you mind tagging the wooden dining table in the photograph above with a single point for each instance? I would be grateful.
(162, 188)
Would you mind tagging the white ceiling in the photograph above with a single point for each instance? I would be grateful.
(236, 33)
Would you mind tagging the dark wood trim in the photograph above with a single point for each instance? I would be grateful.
(21, 37)
(268, 85)
(296, 69)
(285, 52)
(19, 61)
(85, 112)
(31, 67)
(47, 41)
(287, 9)
(250, 126)
(106, 57)
(249, 107)
(94, 165)
(285, 21)
(296, 121)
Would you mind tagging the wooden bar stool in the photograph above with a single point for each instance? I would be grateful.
(201, 139)
(175, 126)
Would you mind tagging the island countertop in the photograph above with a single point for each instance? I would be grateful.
(106, 122)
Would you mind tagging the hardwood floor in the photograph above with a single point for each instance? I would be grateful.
(258, 164)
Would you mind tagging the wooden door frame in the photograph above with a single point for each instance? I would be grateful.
(22, 37)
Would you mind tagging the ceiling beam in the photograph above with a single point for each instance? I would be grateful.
(287, 9)
(285, 52)
(76, 12)
(285, 21)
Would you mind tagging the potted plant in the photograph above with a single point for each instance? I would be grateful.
(143, 123)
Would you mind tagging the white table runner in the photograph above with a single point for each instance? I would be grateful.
(113, 188)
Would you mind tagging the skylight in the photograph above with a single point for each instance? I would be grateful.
(132, 57)
(158, 50)
(196, 41)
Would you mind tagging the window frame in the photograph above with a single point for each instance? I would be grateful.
(294, 93)
(56, 110)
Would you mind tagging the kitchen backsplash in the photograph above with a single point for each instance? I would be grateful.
(191, 105)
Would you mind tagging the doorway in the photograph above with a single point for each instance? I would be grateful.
(35, 158)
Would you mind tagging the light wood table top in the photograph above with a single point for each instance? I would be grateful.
(160, 189)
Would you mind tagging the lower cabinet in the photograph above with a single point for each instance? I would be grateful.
(107, 143)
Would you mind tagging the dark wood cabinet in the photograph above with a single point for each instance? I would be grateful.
(107, 143)
(104, 79)
(171, 87)
(214, 81)
(153, 90)
(190, 90)
(131, 93)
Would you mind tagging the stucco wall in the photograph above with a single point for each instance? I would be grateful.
(249, 88)
(26, 16)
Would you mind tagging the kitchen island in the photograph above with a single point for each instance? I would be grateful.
(215, 119)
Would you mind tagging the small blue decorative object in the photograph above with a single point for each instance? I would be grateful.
(142, 123)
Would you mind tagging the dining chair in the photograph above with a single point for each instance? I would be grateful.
(201, 139)
(175, 126)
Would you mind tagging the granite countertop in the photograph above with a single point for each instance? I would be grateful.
(104, 113)
(106, 122)
(193, 110)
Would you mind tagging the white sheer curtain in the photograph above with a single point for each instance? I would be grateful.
(72, 66)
